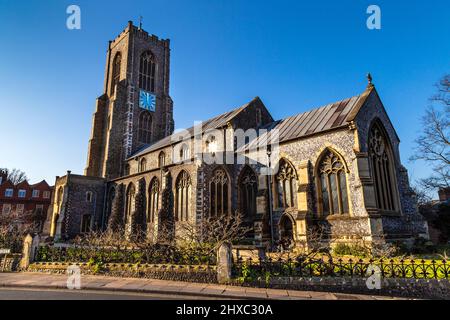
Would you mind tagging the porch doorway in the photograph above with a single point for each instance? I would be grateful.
(286, 232)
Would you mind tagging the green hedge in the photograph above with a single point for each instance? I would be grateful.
(155, 254)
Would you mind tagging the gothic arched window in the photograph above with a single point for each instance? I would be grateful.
(332, 184)
(161, 159)
(130, 202)
(211, 144)
(184, 152)
(145, 127)
(285, 185)
(219, 193)
(381, 165)
(115, 72)
(142, 165)
(153, 199)
(147, 70)
(247, 193)
(183, 196)
(126, 169)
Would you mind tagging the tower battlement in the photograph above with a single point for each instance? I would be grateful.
(141, 34)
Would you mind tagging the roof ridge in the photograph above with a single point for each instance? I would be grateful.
(358, 105)
(313, 121)
(320, 107)
(228, 115)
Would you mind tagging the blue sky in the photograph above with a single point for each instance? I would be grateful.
(294, 55)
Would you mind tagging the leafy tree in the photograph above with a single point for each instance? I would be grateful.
(15, 175)
(433, 145)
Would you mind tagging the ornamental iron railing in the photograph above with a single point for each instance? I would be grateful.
(390, 268)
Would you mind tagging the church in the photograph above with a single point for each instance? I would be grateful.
(337, 165)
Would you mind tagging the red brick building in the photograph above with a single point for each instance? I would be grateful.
(23, 197)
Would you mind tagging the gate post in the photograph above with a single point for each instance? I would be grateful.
(30, 245)
(224, 263)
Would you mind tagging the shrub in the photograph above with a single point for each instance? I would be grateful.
(12, 242)
(343, 249)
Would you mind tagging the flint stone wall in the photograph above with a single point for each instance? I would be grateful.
(408, 288)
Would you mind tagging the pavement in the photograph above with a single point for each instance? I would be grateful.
(61, 294)
(176, 289)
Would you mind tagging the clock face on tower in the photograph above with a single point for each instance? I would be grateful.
(147, 100)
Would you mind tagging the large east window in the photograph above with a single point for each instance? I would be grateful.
(381, 166)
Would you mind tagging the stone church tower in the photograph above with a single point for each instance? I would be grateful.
(135, 108)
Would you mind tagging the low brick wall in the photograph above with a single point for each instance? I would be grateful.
(10, 263)
(189, 273)
(398, 287)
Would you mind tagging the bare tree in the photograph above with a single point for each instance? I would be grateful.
(423, 198)
(212, 231)
(433, 145)
(316, 247)
(14, 227)
(15, 175)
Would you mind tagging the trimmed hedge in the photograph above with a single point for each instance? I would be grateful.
(156, 254)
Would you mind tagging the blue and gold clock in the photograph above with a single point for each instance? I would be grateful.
(147, 100)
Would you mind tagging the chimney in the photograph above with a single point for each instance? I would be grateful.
(444, 194)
